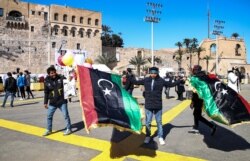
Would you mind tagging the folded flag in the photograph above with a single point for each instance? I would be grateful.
(105, 102)
(221, 103)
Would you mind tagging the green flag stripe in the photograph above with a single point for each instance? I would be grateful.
(204, 93)
(131, 106)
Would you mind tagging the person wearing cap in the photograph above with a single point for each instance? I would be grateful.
(129, 85)
(153, 101)
(197, 105)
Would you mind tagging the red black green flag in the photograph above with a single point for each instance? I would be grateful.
(105, 102)
(221, 103)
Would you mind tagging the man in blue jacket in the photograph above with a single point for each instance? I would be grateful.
(153, 101)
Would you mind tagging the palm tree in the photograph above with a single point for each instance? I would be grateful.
(207, 58)
(106, 30)
(199, 50)
(107, 59)
(193, 49)
(138, 61)
(178, 55)
(187, 43)
(235, 35)
(156, 59)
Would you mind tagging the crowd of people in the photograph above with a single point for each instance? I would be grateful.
(15, 86)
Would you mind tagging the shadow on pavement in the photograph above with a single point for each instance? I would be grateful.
(134, 146)
(167, 128)
(75, 127)
(225, 140)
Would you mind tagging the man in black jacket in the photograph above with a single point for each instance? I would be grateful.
(54, 94)
(197, 104)
(153, 101)
(10, 89)
(129, 85)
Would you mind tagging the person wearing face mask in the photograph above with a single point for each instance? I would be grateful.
(154, 85)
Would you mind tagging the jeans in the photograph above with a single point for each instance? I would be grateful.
(7, 94)
(158, 118)
(50, 113)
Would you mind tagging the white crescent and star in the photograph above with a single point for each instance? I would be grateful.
(106, 91)
(216, 89)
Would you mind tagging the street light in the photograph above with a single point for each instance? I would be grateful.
(218, 30)
(152, 12)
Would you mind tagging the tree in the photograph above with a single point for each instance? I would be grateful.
(235, 35)
(109, 39)
(156, 59)
(199, 50)
(178, 54)
(207, 58)
(107, 59)
(138, 61)
(187, 43)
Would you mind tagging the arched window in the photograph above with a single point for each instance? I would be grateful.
(81, 32)
(89, 21)
(65, 18)
(56, 16)
(237, 50)
(139, 53)
(65, 31)
(81, 20)
(73, 18)
(56, 29)
(15, 14)
(96, 33)
(73, 31)
(89, 31)
(213, 49)
(96, 22)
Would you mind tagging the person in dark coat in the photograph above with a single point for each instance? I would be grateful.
(197, 105)
(168, 78)
(54, 98)
(129, 85)
(153, 101)
(10, 89)
(180, 88)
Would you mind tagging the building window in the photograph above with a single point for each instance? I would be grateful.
(81, 34)
(89, 21)
(73, 18)
(32, 28)
(237, 50)
(39, 13)
(56, 16)
(213, 49)
(78, 47)
(65, 18)
(96, 22)
(1, 12)
(33, 12)
(81, 20)
(65, 32)
(45, 16)
(53, 44)
(73, 33)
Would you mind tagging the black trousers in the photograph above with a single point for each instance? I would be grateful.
(29, 92)
(198, 117)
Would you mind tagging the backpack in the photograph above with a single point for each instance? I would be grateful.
(124, 79)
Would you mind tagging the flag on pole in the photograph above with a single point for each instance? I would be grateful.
(221, 103)
(105, 102)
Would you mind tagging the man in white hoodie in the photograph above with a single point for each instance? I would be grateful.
(232, 80)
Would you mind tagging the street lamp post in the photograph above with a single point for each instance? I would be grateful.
(153, 11)
(218, 30)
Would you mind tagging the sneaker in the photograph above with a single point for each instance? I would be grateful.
(47, 132)
(20, 99)
(11, 106)
(147, 140)
(161, 141)
(2, 106)
(213, 130)
(67, 132)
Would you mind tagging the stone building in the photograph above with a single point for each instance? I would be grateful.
(30, 34)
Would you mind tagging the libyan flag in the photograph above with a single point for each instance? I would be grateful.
(221, 103)
(105, 102)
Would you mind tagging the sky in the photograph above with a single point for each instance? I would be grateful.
(179, 19)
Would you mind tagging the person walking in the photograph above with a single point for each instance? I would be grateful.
(10, 89)
(180, 88)
(153, 101)
(168, 78)
(27, 77)
(54, 98)
(197, 105)
(233, 80)
(21, 83)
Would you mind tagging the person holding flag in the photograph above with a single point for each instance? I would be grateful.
(153, 101)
